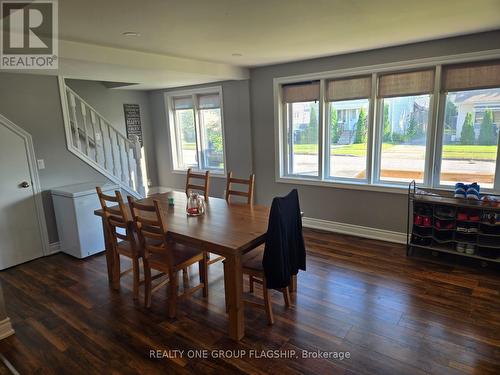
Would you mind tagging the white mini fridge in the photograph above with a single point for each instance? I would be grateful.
(80, 231)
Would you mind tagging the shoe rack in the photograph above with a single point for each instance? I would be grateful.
(463, 227)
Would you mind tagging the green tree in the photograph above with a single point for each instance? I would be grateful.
(334, 126)
(387, 124)
(467, 135)
(186, 121)
(450, 114)
(487, 133)
(412, 129)
(361, 129)
(311, 132)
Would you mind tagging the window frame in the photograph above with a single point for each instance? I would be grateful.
(434, 141)
(173, 129)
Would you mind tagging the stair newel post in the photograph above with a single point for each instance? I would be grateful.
(85, 132)
(137, 153)
(72, 104)
(95, 133)
(104, 143)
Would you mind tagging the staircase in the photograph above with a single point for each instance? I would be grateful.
(98, 143)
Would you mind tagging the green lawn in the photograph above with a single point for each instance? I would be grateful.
(458, 152)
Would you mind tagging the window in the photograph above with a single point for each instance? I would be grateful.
(436, 125)
(197, 129)
(302, 108)
(470, 124)
(347, 130)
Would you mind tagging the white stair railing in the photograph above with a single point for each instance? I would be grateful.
(93, 139)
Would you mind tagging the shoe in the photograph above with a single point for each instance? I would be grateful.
(426, 222)
(472, 191)
(462, 216)
(418, 220)
(472, 230)
(445, 212)
(460, 190)
(460, 247)
(470, 249)
(461, 228)
(474, 217)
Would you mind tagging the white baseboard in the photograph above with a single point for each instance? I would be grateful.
(5, 328)
(354, 230)
(162, 189)
(54, 247)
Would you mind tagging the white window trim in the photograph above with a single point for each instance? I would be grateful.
(433, 156)
(172, 127)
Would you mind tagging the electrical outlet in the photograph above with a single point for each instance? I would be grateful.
(41, 164)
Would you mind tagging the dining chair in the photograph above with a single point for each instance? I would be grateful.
(190, 185)
(161, 253)
(276, 264)
(231, 192)
(121, 237)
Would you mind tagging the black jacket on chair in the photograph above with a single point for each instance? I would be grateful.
(285, 251)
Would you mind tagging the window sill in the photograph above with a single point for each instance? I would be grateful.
(212, 173)
(383, 188)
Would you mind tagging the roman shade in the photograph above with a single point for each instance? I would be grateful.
(301, 92)
(208, 101)
(183, 102)
(349, 88)
(471, 76)
(406, 83)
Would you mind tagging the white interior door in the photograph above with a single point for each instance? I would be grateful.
(20, 238)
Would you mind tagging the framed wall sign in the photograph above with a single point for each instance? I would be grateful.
(133, 120)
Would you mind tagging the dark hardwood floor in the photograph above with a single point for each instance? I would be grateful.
(393, 314)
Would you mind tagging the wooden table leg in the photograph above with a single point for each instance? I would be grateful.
(293, 284)
(234, 290)
(109, 251)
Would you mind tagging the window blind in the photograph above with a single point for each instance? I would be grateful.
(207, 101)
(349, 88)
(184, 102)
(471, 76)
(301, 92)
(406, 83)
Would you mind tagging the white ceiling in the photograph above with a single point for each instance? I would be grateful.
(186, 42)
(270, 31)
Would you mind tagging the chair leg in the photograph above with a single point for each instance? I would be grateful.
(172, 295)
(147, 283)
(116, 271)
(225, 285)
(267, 303)
(203, 271)
(286, 296)
(250, 281)
(136, 275)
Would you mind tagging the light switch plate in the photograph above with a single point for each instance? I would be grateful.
(41, 164)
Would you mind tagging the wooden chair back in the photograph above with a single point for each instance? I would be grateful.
(150, 227)
(249, 183)
(190, 185)
(116, 217)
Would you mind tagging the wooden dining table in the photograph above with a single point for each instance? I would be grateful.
(226, 229)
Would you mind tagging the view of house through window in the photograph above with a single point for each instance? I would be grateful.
(199, 141)
(348, 136)
(404, 138)
(470, 137)
(303, 137)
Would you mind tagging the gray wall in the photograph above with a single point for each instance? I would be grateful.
(236, 104)
(372, 209)
(32, 102)
(109, 103)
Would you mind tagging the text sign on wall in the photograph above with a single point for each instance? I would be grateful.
(133, 120)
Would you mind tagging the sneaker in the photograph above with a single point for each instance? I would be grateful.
(472, 191)
(460, 190)
(462, 228)
(460, 247)
(426, 222)
(418, 220)
(469, 249)
(472, 230)
(462, 216)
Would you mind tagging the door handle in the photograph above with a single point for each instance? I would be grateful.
(25, 184)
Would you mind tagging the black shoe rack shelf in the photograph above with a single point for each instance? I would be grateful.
(485, 237)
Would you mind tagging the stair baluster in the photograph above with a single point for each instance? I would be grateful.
(85, 130)
(97, 136)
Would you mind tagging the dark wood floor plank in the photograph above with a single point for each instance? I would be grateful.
(393, 314)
